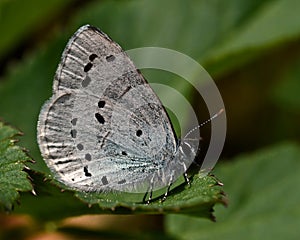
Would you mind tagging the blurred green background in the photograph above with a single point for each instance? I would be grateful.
(251, 48)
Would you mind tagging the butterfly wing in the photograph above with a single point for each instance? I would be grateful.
(104, 127)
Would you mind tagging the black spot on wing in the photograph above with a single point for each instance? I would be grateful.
(88, 67)
(110, 58)
(73, 133)
(88, 157)
(101, 104)
(92, 57)
(99, 118)
(86, 81)
(139, 132)
(74, 121)
(86, 172)
(80, 146)
(104, 180)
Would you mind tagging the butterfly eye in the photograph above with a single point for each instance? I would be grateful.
(139, 132)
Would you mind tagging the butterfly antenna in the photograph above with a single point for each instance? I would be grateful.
(205, 122)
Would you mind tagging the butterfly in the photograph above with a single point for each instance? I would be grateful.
(104, 128)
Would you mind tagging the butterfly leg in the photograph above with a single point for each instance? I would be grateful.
(146, 193)
(166, 193)
(150, 196)
(150, 191)
(168, 189)
(187, 180)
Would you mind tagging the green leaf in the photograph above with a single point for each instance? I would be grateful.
(263, 196)
(197, 200)
(274, 23)
(12, 163)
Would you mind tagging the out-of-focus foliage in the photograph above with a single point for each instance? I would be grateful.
(12, 163)
(263, 203)
(251, 48)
